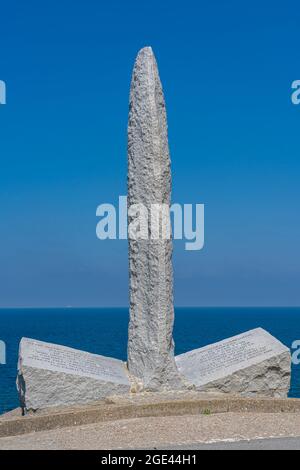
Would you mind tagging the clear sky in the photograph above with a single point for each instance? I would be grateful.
(227, 69)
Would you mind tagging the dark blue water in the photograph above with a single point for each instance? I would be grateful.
(104, 331)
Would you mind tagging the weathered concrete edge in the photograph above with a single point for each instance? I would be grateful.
(113, 412)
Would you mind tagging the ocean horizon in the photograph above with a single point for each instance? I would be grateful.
(104, 331)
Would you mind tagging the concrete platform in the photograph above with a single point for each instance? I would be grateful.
(138, 406)
(223, 430)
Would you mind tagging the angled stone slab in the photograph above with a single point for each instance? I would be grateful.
(53, 375)
(251, 364)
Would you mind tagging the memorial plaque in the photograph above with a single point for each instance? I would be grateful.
(53, 375)
(239, 364)
(56, 358)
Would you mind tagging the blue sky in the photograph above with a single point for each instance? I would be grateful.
(227, 69)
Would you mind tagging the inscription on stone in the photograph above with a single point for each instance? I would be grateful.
(226, 357)
(57, 358)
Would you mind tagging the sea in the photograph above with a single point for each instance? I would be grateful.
(104, 331)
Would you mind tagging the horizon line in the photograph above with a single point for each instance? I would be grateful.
(127, 307)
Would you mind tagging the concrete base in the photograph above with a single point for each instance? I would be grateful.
(141, 406)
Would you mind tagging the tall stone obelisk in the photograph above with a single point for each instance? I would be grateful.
(150, 344)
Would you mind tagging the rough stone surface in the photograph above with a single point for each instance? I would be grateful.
(150, 346)
(251, 364)
(52, 375)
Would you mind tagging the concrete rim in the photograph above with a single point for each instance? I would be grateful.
(117, 409)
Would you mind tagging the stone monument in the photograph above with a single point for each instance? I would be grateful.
(150, 343)
(251, 364)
